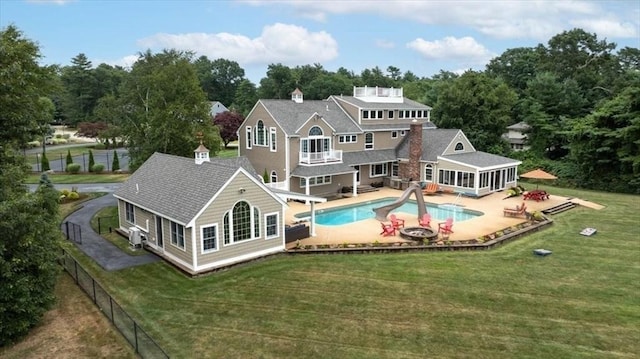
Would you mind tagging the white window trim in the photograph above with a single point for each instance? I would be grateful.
(373, 138)
(248, 138)
(184, 236)
(126, 212)
(394, 134)
(272, 138)
(217, 247)
(385, 172)
(232, 240)
(324, 181)
(266, 234)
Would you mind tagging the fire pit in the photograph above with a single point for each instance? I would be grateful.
(418, 233)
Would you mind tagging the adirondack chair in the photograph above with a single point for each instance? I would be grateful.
(388, 230)
(396, 222)
(446, 227)
(515, 212)
(431, 189)
(425, 220)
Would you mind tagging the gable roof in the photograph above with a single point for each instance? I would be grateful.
(178, 188)
(291, 115)
(434, 143)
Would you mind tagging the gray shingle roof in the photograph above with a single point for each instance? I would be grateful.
(176, 187)
(406, 104)
(434, 142)
(291, 115)
(481, 159)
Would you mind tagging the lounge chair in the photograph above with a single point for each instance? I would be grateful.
(396, 222)
(431, 189)
(388, 230)
(446, 227)
(425, 220)
(515, 212)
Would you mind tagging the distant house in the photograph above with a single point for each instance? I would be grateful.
(202, 214)
(376, 136)
(216, 108)
(517, 137)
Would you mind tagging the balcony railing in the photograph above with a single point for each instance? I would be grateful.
(378, 94)
(277, 185)
(321, 157)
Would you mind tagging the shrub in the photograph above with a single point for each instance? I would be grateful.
(91, 161)
(65, 192)
(66, 136)
(73, 196)
(115, 165)
(33, 144)
(44, 163)
(69, 158)
(100, 146)
(97, 168)
(73, 168)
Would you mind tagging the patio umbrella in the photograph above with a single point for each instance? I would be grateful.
(538, 174)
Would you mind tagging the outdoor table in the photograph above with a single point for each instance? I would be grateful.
(537, 195)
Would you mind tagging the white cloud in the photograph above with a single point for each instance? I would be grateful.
(125, 62)
(283, 43)
(607, 28)
(539, 19)
(464, 48)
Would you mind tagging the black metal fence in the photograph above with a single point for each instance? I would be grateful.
(143, 344)
(103, 224)
(72, 232)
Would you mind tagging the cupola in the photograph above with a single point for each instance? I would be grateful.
(296, 96)
(201, 154)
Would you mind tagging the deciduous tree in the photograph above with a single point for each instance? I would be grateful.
(228, 123)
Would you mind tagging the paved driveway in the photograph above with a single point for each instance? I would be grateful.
(102, 251)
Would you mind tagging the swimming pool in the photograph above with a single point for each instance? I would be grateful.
(361, 211)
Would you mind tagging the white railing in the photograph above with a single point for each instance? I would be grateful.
(377, 92)
(321, 157)
(277, 185)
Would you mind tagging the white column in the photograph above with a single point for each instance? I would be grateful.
(354, 187)
(312, 225)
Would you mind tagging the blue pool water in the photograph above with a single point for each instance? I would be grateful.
(361, 211)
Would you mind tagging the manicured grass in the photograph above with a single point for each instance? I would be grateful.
(228, 152)
(53, 153)
(581, 301)
(80, 178)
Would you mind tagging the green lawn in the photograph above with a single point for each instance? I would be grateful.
(53, 152)
(580, 302)
(80, 178)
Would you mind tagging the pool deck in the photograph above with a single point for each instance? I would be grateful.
(367, 231)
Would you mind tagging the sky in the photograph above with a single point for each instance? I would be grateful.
(423, 37)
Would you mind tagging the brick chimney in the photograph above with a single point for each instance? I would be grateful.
(415, 150)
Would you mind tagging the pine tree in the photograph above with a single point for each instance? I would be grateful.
(44, 163)
(69, 159)
(91, 161)
(115, 165)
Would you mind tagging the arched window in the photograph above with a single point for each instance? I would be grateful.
(315, 131)
(241, 221)
(428, 173)
(274, 177)
(261, 134)
(459, 146)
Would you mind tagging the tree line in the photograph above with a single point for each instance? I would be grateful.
(576, 92)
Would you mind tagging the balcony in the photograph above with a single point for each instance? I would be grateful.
(316, 158)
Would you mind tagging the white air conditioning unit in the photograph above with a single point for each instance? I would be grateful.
(134, 236)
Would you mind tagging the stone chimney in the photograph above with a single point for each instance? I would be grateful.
(296, 96)
(415, 150)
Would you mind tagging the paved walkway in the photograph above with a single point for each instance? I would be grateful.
(102, 251)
